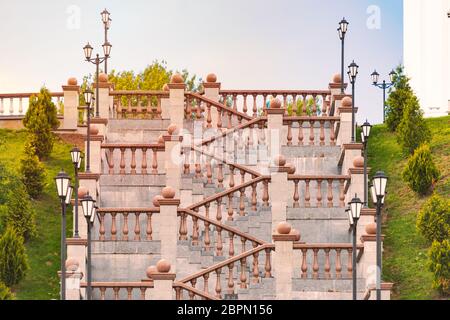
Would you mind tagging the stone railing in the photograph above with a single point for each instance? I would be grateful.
(115, 224)
(324, 261)
(303, 128)
(244, 277)
(16, 104)
(119, 290)
(134, 158)
(193, 293)
(137, 104)
(239, 101)
(302, 187)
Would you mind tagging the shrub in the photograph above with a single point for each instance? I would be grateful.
(439, 256)
(32, 174)
(13, 258)
(412, 130)
(5, 293)
(433, 220)
(420, 172)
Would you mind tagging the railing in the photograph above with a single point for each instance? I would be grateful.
(15, 102)
(192, 292)
(130, 158)
(115, 224)
(305, 133)
(242, 279)
(303, 102)
(303, 190)
(324, 261)
(137, 104)
(119, 290)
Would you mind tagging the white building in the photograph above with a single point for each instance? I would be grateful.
(427, 53)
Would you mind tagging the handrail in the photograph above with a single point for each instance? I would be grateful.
(138, 92)
(308, 118)
(228, 261)
(127, 210)
(222, 226)
(275, 92)
(194, 290)
(27, 95)
(133, 145)
(317, 177)
(227, 192)
(146, 284)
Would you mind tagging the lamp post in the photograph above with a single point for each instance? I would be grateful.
(107, 24)
(342, 30)
(384, 85)
(75, 154)
(63, 189)
(89, 210)
(378, 191)
(97, 60)
(366, 127)
(352, 73)
(88, 100)
(354, 212)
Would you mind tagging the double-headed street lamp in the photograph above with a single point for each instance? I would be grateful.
(97, 60)
(352, 73)
(88, 100)
(107, 24)
(365, 133)
(378, 190)
(75, 154)
(354, 213)
(384, 85)
(342, 30)
(89, 211)
(64, 191)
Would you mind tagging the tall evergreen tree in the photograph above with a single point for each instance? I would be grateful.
(13, 258)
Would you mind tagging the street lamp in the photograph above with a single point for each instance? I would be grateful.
(107, 24)
(75, 154)
(354, 212)
(379, 191)
(88, 206)
(384, 85)
(88, 100)
(62, 181)
(352, 73)
(365, 133)
(342, 30)
(97, 60)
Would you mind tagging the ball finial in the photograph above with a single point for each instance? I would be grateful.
(176, 78)
(168, 193)
(284, 228)
(163, 266)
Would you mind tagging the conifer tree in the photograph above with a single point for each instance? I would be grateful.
(13, 258)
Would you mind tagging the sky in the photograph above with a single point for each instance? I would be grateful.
(248, 44)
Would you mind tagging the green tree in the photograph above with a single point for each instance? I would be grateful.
(439, 263)
(5, 293)
(32, 174)
(420, 172)
(13, 258)
(433, 220)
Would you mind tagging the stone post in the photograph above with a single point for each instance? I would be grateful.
(76, 249)
(73, 279)
(88, 184)
(96, 150)
(103, 95)
(368, 262)
(351, 151)
(162, 281)
(386, 289)
(176, 98)
(71, 102)
(173, 161)
(277, 190)
(345, 128)
(212, 89)
(335, 88)
(357, 178)
(283, 260)
(276, 132)
(168, 231)
(165, 104)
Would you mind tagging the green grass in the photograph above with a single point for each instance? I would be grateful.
(41, 282)
(405, 255)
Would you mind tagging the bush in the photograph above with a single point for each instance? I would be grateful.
(439, 256)
(433, 220)
(5, 293)
(420, 172)
(32, 173)
(13, 259)
(412, 131)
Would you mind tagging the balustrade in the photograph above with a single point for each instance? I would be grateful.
(16, 104)
(313, 131)
(119, 290)
(137, 104)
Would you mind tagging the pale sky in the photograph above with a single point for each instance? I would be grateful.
(248, 44)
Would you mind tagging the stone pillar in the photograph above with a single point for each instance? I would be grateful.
(73, 279)
(351, 151)
(275, 130)
(96, 150)
(368, 263)
(88, 184)
(103, 95)
(173, 161)
(212, 90)
(168, 231)
(278, 196)
(386, 289)
(357, 178)
(165, 104)
(76, 249)
(283, 260)
(101, 124)
(335, 88)
(162, 281)
(176, 98)
(345, 127)
(71, 102)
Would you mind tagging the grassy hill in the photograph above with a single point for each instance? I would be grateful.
(43, 252)
(405, 255)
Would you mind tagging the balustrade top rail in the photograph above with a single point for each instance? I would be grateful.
(275, 92)
(180, 285)
(28, 95)
(127, 210)
(317, 177)
(162, 94)
(146, 284)
(159, 147)
(309, 118)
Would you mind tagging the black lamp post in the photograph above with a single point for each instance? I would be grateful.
(384, 85)
(107, 24)
(75, 154)
(352, 73)
(63, 189)
(89, 211)
(354, 212)
(88, 100)
(378, 193)
(97, 60)
(342, 30)
(366, 127)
